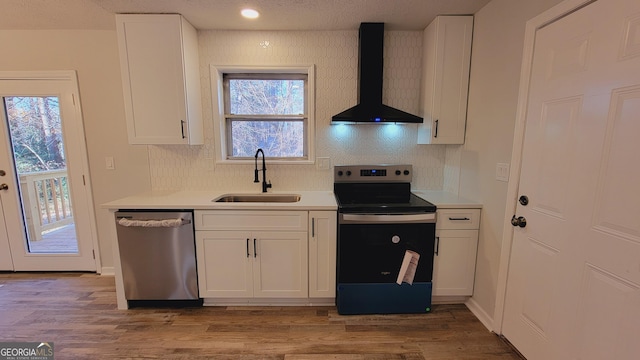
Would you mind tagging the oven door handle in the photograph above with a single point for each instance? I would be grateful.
(387, 218)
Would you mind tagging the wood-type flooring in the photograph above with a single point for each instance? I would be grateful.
(77, 312)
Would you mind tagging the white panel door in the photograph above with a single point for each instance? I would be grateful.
(322, 254)
(280, 267)
(574, 276)
(45, 191)
(6, 262)
(454, 263)
(224, 265)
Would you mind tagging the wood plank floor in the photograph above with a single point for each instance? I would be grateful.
(77, 312)
(60, 240)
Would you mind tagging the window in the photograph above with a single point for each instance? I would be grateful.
(267, 109)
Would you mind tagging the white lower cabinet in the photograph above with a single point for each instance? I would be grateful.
(456, 248)
(266, 254)
(281, 267)
(322, 254)
(224, 268)
(235, 264)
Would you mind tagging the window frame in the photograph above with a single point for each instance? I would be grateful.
(219, 101)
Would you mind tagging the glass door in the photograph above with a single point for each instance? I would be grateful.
(43, 190)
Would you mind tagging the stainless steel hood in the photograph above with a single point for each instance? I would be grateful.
(370, 108)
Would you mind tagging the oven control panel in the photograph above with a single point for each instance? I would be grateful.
(373, 173)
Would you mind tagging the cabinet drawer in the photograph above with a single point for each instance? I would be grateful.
(251, 220)
(458, 219)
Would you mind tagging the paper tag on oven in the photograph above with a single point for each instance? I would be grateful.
(408, 267)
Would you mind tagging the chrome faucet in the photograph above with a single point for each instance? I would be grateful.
(265, 186)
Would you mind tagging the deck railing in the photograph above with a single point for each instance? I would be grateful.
(46, 201)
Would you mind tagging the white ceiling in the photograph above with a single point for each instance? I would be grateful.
(224, 14)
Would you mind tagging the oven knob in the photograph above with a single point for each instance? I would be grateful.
(340, 173)
(395, 239)
(406, 172)
(398, 172)
(348, 172)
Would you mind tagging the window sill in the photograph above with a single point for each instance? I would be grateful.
(276, 162)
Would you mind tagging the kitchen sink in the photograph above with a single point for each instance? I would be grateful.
(256, 198)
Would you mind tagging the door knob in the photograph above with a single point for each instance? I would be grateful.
(2, 173)
(518, 221)
(524, 200)
(4, 187)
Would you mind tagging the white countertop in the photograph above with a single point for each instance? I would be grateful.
(309, 200)
(447, 200)
(202, 200)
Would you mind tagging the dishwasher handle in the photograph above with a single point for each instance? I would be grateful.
(164, 223)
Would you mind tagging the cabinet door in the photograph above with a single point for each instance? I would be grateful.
(280, 266)
(157, 55)
(322, 254)
(447, 58)
(224, 263)
(455, 262)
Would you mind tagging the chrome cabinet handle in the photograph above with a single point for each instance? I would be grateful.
(255, 252)
(182, 128)
(247, 247)
(459, 219)
(436, 134)
(437, 245)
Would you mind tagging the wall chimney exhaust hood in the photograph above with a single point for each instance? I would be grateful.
(370, 108)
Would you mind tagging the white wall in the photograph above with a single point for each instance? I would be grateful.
(495, 70)
(94, 56)
(496, 58)
(334, 54)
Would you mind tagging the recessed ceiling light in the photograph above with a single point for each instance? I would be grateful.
(250, 13)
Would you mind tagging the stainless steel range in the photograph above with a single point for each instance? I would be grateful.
(386, 238)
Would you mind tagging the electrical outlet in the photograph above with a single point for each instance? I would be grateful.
(502, 172)
(323, 163)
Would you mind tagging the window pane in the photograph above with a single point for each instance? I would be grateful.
(275, 138)
(266, 97)
(36, 133)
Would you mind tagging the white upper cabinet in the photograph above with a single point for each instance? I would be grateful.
(445, 79)
(160, 79)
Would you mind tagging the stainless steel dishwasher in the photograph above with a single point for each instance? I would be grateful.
(157, 254)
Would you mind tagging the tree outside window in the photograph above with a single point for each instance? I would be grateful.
(36, 133)
(267, 111)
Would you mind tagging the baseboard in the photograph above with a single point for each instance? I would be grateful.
(449, 299)
(482, 315)
(269, 302)
(108, 270)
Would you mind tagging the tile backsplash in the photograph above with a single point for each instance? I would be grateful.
(334, 54)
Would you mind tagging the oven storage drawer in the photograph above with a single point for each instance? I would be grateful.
(373, 253)
(383, 298)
